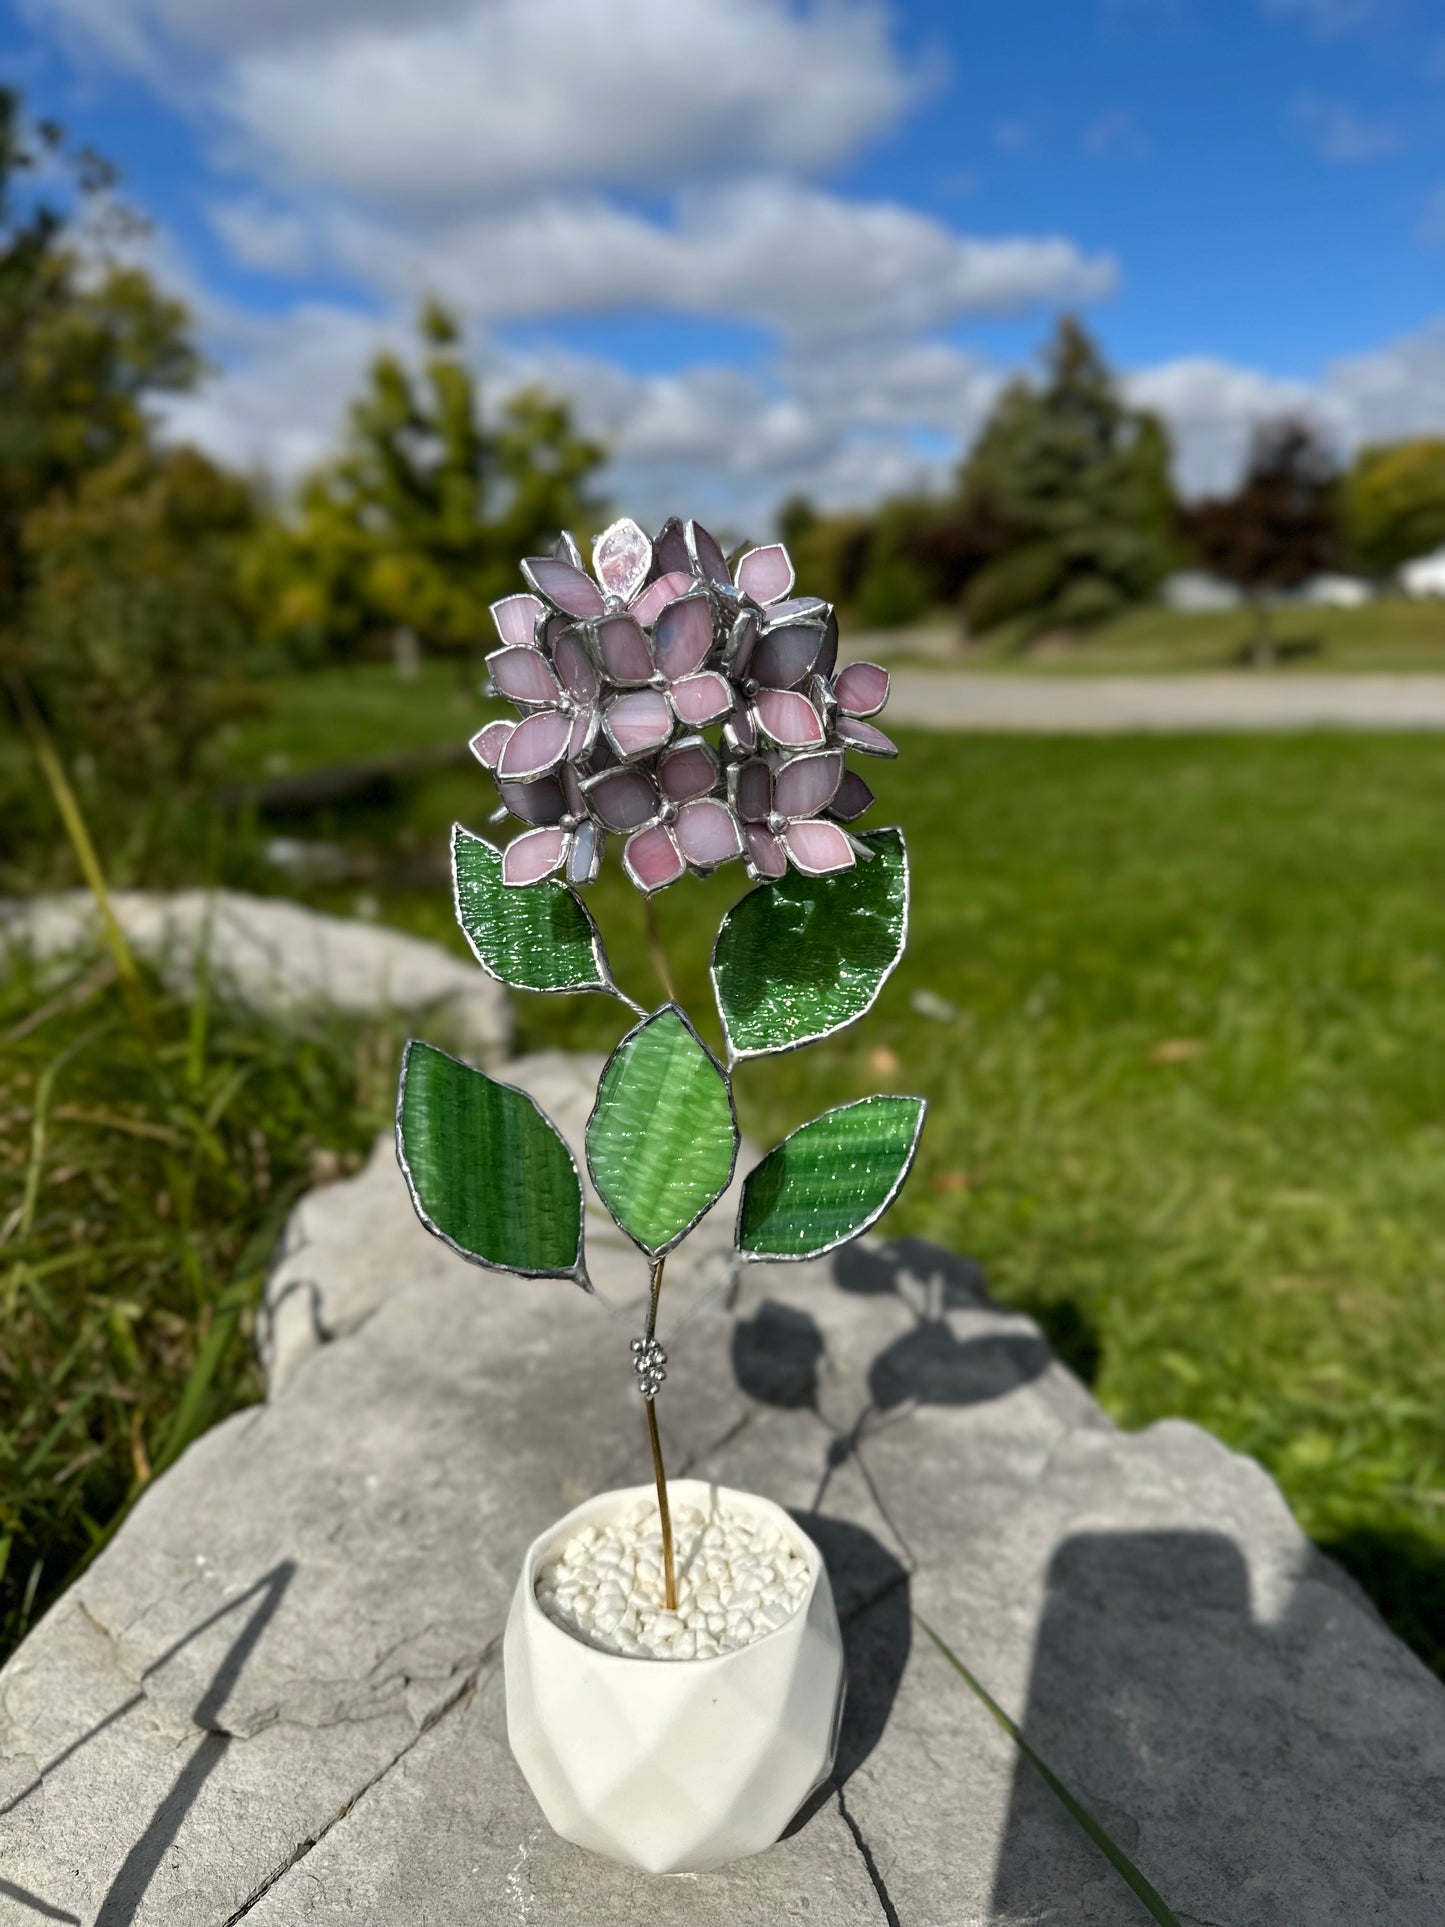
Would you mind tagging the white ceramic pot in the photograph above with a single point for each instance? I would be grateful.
(672, 1765)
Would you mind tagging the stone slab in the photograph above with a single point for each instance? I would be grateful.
(276, 1698)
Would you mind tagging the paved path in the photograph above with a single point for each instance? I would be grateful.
(1108, 705)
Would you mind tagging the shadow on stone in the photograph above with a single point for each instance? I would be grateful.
(875, 1269)
(776, 1354)
(933, 1367)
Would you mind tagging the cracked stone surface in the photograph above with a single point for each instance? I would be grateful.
(276, 955)
(276, 1696)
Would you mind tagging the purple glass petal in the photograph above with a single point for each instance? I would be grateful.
(766, 857)
(669, 549)
(861, 689)
(807, 784)
(584, 733)
(738, 731)
(563, 586)
(828, 654)
(752, 791)
(542, 802)
(701, 699)
(766, 574)
(798, 608)
(584, 859)
(854, 796)
(569, 552)
(621, 557)
(535, 746)
(533, 855)
(707, 557)
(572, 791)
(708, 834)
(818, 849)
(624, 651)
(651, 859)
(741, 644)
(488, 743)
(687, 771)
(788, 719)
(784, 656)
(656, 596)
(576, 667)
(682, 638)
(515, 616)
(622, 799)
(637, 723)
(863, 736)
(523, 675)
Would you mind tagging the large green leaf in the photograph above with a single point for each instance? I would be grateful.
(662, 1138)
(830, 1179)
(799, 958)
(488, 1171)
(539, 937)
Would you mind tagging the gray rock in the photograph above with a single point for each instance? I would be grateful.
(279, 956)
(276, 1696)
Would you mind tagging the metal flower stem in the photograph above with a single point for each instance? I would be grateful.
(669, 1574)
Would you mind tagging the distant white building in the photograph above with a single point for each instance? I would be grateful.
(1425, 576)
(1195, 592)
(1334, 592)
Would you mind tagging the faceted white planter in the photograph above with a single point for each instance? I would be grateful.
(672, 1765)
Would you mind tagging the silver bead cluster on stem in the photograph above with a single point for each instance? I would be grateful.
(649, 1361)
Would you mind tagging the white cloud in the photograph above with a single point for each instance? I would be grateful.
(1116, 134)
(1337, 132)
(1328, 18)
(258, 236)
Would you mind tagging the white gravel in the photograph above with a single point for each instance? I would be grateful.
(737, 1580)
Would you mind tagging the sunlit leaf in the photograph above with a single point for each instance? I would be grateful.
(829, 1179)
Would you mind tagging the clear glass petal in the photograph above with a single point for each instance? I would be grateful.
(766, 574)
(576, 667)
(784, 657)
(622, 799)
(488, 743)
(788, 719)
(652, 860)
(707, 833)
(806, 785)
(533, 855)
(523, 675)
(863, 736)
(687, 770)
(861, 688)
(637, 723)
(701, 699)
(818, 849)
(656, 596)
(584, 859)
(515, 617)
(535, 746)
(707, 557)
(766, 858)
(854, 796)
(542, 802)
(623, 649)
(566, 588)
(621, 557)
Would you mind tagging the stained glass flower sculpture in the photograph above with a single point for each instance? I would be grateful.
(694, 708)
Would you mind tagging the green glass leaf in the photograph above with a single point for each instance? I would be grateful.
(540, 937)
(662, 1139)
(488, 1170)
(798, 959)
(830, 1179)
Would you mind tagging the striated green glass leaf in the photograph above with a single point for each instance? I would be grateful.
(830, 1179)
(488, 1170)
(541, 937)
(802, 957)
(662, 1138)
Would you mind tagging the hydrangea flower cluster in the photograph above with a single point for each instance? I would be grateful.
(687, 705)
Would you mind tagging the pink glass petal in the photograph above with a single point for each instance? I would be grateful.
(753, 791)
(533, 855)
(523, 675)
(638, 723)
(623, 799)
(766, 856)
(862, 689)
(624, 651)
(784, 656)
(584, 859)
(738, 730)
(701, 699)
(515, 616)
(656, 596)
(854, 796)
(766, 574)
(576, 667)
(539, 802)
(863, 736)
(788, 719)
(535, 746)
(584, 733)
(708, 834)
(669, 550)
(563, 586)
(487, 745)
(818, 849)
(708, 557)
(808, 784)
(685, 772)
(621, 557)
(651, 859)
(682, 638)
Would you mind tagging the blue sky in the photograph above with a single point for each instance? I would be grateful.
(770, 245)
